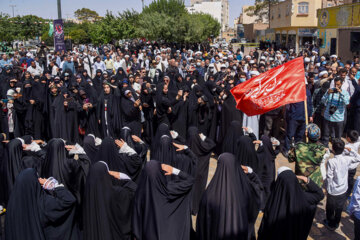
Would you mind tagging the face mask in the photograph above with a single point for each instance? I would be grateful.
(198, 64)
(224, 96)
(211, 70)
(157, 74)
(234, 67)
(242, 80)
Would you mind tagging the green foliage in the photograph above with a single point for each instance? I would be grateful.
(169, 20)
(79, 36)
(261, 9)
(86, 14)
(172, 8)
(166, 20)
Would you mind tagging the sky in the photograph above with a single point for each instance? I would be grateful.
(48, 8)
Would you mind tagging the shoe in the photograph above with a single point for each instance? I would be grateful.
(284, 153)
(326, 224)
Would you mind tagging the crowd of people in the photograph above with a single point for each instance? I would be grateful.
(114, 143)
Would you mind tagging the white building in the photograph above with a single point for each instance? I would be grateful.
(219, 9)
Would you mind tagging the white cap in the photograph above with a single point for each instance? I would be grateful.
(263, 57)
(323, 73)
(317, 64)
(256, 73)
(333, 56)
(248, 56)
(28, 54)
(223, 66)
(251, 61)
(271, 59)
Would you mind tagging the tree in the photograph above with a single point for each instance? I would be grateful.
(86, 14)
(79, 36)
(169, 20)
(172, 8)
(261, 9)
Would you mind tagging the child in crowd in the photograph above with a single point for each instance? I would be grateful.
(337, 181)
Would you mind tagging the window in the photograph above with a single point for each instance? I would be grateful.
(303, 8)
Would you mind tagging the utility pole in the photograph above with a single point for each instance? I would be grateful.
(59, 9)
(142, 4)
(269, 14)
(13, 6)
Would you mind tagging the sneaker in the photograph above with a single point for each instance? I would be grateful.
(326, 224)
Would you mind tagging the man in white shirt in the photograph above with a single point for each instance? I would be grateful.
(117, 63)
(99, 65)
(337, 182)
(34, 69)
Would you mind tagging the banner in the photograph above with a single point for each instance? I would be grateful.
(51, 29)
(279, 86)
(59, 42)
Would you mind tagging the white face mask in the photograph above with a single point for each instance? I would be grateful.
(224, 96)
(198, 64)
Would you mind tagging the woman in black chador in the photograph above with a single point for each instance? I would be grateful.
(290, 209)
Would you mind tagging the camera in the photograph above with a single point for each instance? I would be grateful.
(335, 90)
(332, 110)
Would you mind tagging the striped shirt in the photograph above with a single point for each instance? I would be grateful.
(333, 100)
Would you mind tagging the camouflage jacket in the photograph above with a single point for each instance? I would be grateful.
(307, 158)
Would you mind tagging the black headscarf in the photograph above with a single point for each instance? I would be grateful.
(109, 153)
(223, 210)
(68, 171)
(163, 129)
(120, 74)
(107, 205)
(288, 214)
(11, 167)
(165, 151)
(234, 131)
(202, 150)
(48, 215)
(246, 154)
(90, 148)
(162, 206)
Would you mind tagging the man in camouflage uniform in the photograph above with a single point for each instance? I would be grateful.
(309, 157)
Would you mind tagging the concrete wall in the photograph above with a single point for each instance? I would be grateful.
(286, 14)
(212, 8)
(344, 50)
(250, 30)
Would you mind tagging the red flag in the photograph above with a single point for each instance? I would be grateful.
(279, 86)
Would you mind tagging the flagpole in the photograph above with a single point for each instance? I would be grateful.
(306, 119)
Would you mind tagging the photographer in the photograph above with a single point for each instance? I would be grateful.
(335, 101)
(41, 53)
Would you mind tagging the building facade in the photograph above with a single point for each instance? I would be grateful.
(293, 23)
(339, 30)
(215, 8)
